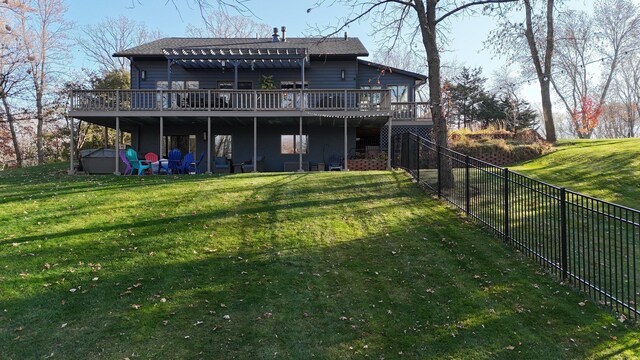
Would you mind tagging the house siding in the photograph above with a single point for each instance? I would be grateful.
(319, 75)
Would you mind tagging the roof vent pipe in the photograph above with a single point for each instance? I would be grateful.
(274, 37)
(284, 31)
(345, 35)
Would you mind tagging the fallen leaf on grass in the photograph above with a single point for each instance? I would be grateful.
(510, 347)
(135, 306)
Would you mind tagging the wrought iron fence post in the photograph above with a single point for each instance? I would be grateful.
(438, 163)
(467, 195)
(418, 159)
(563, 228)
(507, 234)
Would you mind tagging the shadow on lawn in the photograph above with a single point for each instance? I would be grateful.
(423, 286)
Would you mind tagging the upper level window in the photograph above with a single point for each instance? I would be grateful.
(286, 85)
(399, 93)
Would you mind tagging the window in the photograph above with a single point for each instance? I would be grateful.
(399, 93)
(222, 146)
(291, 144)
(228, 85)
(184, 143)
(286, 85)
(175, 85)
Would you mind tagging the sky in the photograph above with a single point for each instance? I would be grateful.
(466, 35)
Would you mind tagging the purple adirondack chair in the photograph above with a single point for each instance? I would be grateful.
(123, 157)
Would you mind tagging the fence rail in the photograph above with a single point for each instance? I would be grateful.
(588, 242)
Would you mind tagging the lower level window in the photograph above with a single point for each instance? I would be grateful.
(223, 146)
(184, 143)
(294, 144)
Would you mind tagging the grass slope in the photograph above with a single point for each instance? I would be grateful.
(606, 169)
(324, 265)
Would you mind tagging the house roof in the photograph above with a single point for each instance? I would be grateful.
(315, 46)
(393, 69)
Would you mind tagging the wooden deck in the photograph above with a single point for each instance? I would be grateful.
(243, 103)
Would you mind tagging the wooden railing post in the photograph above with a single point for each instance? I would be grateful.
(117, 100)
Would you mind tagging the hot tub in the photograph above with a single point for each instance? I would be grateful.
(99, 161)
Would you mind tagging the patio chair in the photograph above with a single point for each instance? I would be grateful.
(197, 164)
(123, 158)
(140, 165)
(247, 166)
(152, 157)
(221, 165)
(335, 163)
(187, 162)
(175, 161)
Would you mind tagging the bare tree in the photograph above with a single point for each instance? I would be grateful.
(43, 32)
(413, 22)
(626, 86)
(530, 42)
(13, 75)
(605, 38)
(13, 81)
(223, 25)
(100, 41)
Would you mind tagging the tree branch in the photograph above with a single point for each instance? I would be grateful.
(462, 7)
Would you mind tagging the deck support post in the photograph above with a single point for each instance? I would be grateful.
(161, 137)
(71, 147)
(300, 147)
(255, 144)
(208, 145)
(346, 146)
(117, 172)
(389, 143)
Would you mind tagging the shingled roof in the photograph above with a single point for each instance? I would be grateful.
(316, 46)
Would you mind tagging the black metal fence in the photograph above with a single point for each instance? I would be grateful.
(589, 242)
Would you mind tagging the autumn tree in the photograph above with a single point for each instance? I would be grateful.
(585, 117)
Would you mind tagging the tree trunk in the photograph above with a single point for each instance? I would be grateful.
(12, 128)
(543, 73)
(427, 20)
(39, 135)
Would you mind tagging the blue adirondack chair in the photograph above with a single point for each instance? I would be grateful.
(175, 161)
(140, 165)
(187, 163)
(197, 164)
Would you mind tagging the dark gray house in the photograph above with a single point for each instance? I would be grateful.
(293, 103)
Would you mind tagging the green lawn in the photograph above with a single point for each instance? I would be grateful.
(606, 169)
(324, 265)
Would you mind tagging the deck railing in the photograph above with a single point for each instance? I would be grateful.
(419, 111)
(230, 100)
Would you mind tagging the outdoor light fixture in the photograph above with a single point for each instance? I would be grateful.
(143, 75)
(204, 135)
(342, 75)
